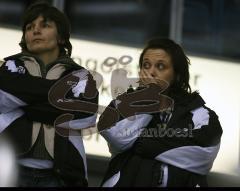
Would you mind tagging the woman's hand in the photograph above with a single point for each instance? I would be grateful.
(145, 78)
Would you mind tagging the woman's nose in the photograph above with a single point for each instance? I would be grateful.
(152, 71)
(36, 29)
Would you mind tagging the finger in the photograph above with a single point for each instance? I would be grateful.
(146, 75)
(142, 76)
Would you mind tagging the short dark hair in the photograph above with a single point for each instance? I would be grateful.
(49, 12)
(179, 60)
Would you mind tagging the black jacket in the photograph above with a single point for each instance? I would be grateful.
(148, 150)
(25, 85)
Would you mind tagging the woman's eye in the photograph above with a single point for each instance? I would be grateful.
(160, 66)
(28, 27)
(45, 24)
(146, 65)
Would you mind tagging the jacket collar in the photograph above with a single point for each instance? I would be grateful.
(182, 106)
(66, 60)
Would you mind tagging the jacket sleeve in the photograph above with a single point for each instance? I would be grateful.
(120, 132)
(42, 112)
(37, 112)
(18, 89)
(193, 146)
(127, 116)
(47, 113)
(80, 101)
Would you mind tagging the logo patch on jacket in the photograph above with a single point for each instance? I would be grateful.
(13, 68)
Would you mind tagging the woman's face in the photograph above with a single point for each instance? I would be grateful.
(157, 68)
(41, 36)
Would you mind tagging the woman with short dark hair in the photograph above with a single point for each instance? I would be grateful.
(165, 135)
(53, 14)
(50, 150)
